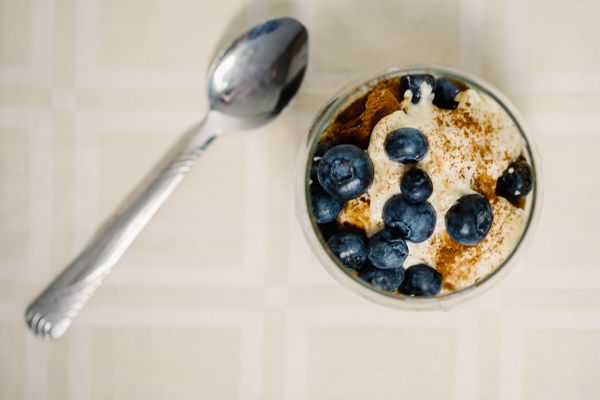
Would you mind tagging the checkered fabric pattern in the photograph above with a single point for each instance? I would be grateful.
(220, 297)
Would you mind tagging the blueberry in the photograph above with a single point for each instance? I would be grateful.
(387, 249)
(345, 171)
(414, 84)
(316, 160)
(325, 207)
(416, 222)
(416, 185)
(406, 145)
(421, 280)
(328, 230)
(445, 91)
(349, 247)
(469, 219)
(385, 279)
(516, 180)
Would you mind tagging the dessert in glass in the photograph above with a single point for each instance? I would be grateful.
(418, 186)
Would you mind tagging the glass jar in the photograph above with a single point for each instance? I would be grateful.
(316, 241)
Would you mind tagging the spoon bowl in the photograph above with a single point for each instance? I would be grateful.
(260, 72)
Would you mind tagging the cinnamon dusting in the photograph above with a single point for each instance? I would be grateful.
(485, 184)
(458, 263)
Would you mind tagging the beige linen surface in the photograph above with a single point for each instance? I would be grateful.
(220, 298)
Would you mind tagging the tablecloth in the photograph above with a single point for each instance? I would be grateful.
(220, 297)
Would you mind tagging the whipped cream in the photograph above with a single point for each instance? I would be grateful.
(469, 148)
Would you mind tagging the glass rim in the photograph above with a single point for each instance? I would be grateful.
(350, 92)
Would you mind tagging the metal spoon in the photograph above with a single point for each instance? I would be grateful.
(249, 83)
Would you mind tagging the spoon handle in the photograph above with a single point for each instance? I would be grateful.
(52, 312)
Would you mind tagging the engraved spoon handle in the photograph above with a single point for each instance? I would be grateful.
(52, 312)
